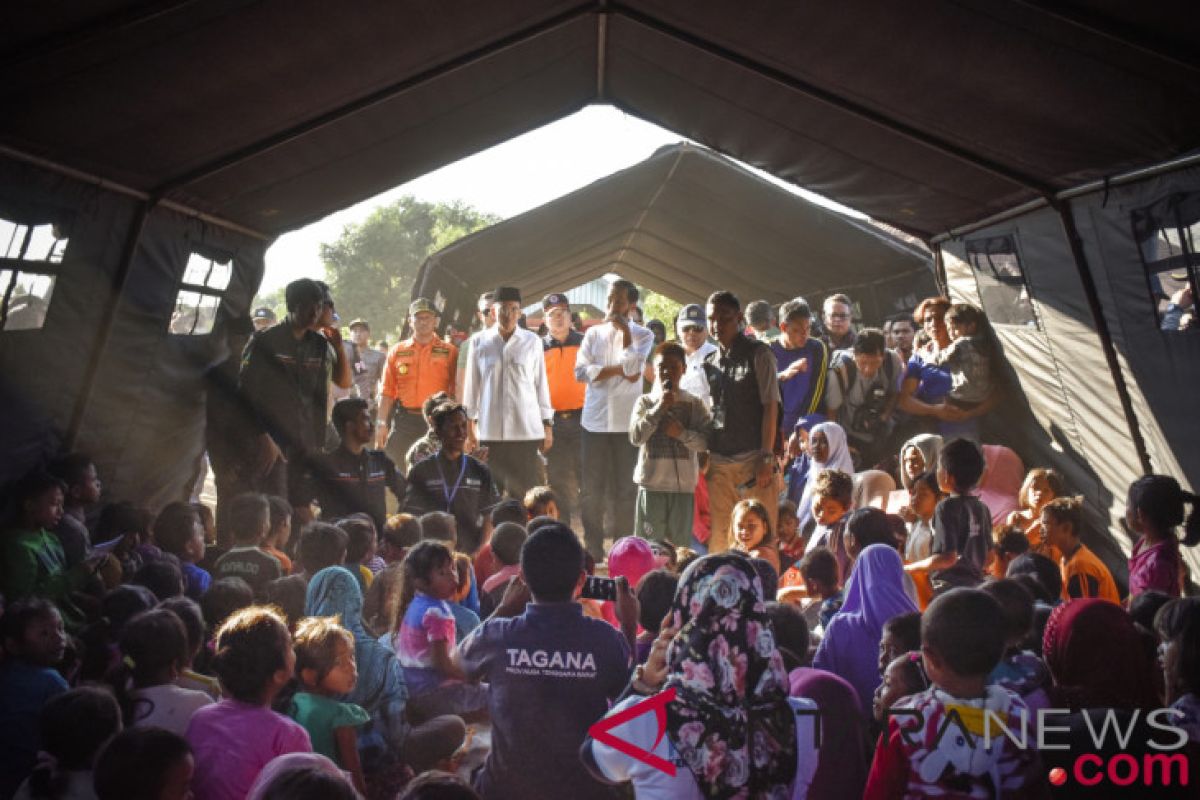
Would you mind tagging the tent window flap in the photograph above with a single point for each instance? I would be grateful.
(1003, 290)
(1166, 233)
(204, 282)
(29, 264)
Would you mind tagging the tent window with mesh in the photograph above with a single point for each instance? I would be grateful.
(204, 282)
(1166, 233)
(28, 270)
(1003, 290)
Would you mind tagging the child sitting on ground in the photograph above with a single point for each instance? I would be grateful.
(78, 474)
(950, 745)
(1020, 670)
(424, 636)
(1178, 625)
(752, 534)
(325, 670)
(145, 763)
(192, 618)
(361, 543)
(75, 726)
(249, 521)
(903, 676)
(321, 545)
(507, 540)
(280, 532)
(154, 649)
(962, 524)
(179, 531)
(1083, 574)
(669, 427)
(234, 739)
(818, 573)
(832, 496)
(1040, 487)
(923, 498)
(901, 634)
(1010, 543)
(655, 592)
(791, 543)
(438, 526)
(34, 643)
(540, 501)
(401, 532)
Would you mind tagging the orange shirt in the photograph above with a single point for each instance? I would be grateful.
(414, 371)
(566, 393)
(1084, 575)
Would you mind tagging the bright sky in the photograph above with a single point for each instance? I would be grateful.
(506, 180)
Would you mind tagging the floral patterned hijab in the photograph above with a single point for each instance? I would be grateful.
(730, 721)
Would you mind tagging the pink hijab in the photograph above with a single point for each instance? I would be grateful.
(1001, 481)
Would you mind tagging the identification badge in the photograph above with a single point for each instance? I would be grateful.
(403, 369)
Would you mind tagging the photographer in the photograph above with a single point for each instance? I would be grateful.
(861, 394)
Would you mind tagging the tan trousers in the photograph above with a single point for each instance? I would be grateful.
(723, 495)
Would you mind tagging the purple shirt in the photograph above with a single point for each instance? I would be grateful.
(232, 741)
(1156, 567)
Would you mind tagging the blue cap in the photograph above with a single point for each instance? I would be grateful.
(690, 316)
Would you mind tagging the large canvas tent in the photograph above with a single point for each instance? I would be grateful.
(163, 135)
(681, 222)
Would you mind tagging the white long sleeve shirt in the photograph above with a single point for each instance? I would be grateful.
(608, 404)
(694, 380)
(505, 388)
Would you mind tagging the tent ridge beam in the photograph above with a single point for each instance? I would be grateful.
(373, 99)
(858, 111)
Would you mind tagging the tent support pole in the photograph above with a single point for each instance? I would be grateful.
(1110, 350)
(108, 318)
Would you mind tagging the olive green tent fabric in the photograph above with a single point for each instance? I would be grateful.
(684, 222)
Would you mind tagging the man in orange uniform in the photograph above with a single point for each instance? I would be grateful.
(561, 345)
(417, 367)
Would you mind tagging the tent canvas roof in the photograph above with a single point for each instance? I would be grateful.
(681, 222)
(927, 115)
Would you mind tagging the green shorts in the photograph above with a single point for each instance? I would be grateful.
(664, 515)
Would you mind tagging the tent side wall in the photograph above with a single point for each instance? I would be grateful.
(143, 421)
(42, 370)
(1080, 424)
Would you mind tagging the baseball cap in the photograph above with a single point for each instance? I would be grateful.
(422, 304)
(556, 299)
(690, 316)
(263, 313)
(359, 323)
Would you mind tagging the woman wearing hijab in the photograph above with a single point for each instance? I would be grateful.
(827, 449)
(918, 456)
(731, 728)
(872, 487)
(1103, 669)
(334, 591)
(873, 595)
(1000, 484)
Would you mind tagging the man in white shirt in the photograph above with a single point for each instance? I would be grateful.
(610, 362)
(508, 399)
(692, 328)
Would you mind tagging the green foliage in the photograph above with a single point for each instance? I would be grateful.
(373, 264)
(660, 307)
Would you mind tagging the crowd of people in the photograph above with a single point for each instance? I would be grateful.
(430, 573)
